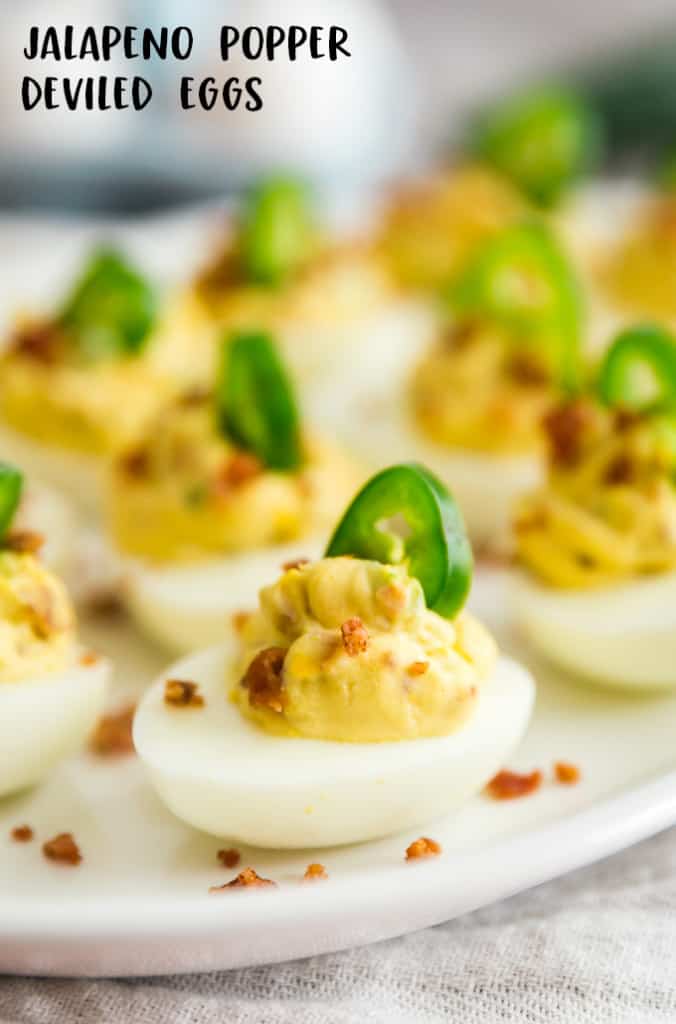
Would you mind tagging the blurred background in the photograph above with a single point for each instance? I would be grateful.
(418, 66)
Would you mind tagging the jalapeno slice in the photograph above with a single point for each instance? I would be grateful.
(255, 401)
(277, 231)
(111, 310)
(405, 515)
(11, 486)
(543, 140)
(522, 280)
(639, 370)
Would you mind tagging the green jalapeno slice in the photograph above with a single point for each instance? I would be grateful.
(111, 310)
(256, 403)
(521, 280)
(11, 486)
(277, 231)
(639, 370)
(404, 514)
(543, 140)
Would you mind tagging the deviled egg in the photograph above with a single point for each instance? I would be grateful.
(325, 300)
(221, 490)
(472, 406)
(358, 700)
(77, 386)
(51, 693)
(597, 542)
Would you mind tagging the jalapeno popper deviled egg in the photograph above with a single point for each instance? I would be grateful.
(473, 405)
(325, 300)
(359, 700)
(51, 695)
(223, 488)
(77, 386)
(597, 542)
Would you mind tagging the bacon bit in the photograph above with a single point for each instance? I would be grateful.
(229, 858)
(136, 463)
(619, 471)
(508, 785)
(418, 668)
(179, 693)
(459, 336)
(423, 847)
(238, 470)
(40, 342)
(113, 734)
(24, 542)
(89, 658)
(524, 368)
(392, 598)
(355, 636)
(63, 849)
(247, 879)
(315, 873)
(566, 773)
(22, 834)
(625, 419)
(239, 620)
(297, 563)
(566, 426)
(105, 604)
(263, 679)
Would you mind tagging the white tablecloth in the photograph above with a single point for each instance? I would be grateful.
(598, 946)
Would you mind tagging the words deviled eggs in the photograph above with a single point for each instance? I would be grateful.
(347, 708)
(221, 491)
(50, 694)
(597, 542)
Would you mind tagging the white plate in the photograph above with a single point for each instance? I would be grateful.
(138, 904)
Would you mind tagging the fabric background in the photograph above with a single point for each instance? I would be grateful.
(598, 946)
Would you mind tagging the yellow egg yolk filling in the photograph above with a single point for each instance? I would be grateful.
(346, 650)
(608, 509)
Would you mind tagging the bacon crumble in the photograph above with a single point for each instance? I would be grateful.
(229, 858)
(24, 542)
(239, 470)
(39, 341)
(417, 668)
(566, 427)
(567, 774)
(355, 636)
(89, 658)
(62, 849)
(136, 463)
(264, 680)
(22, 834)
(315, 873)
(113, 734)
(246, 879)
(508, 785)
(423, 847)
(180, 693)
(619, 471)
(296, 563)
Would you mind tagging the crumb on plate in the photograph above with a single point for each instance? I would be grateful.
(113, 734)
(246, 879)
(229, 858)
(566, 773)
(315, 873)
(22, 834)
(63, 849)
(508, 785)
(423, 847)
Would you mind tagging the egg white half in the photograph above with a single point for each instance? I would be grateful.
(485, 485)
(76, 474)
(620, 636)
(220, 773)
(43, 721)
(186, 607)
